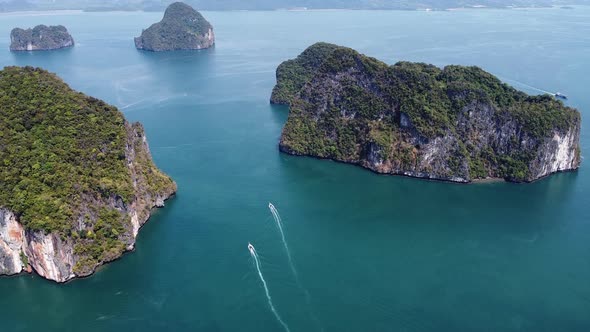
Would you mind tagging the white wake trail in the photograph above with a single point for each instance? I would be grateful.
(529, 86)
(278, 221)
(272, 307)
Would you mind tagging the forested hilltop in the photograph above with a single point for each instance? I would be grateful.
(160, 5)
(454, 123)
(77, 180)
(182, 28)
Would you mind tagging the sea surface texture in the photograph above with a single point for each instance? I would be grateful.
(362, 252)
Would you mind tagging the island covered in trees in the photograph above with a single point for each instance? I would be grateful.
(455, 124)
(182, 28)
(77, 180)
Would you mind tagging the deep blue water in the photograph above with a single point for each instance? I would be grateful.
(375, 253)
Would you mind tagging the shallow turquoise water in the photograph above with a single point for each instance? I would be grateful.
(375, 253)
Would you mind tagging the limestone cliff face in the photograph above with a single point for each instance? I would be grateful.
(138, 154)
(182, 28)
(50, 256)
(40, 38)
(21, 250)
(559, 151)
(53, 257)
(455, 124)
(12, 244)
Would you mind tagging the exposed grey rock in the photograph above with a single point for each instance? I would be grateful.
(182, 28)
(40, 38)
(454, 124)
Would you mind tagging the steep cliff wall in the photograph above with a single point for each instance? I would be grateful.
(78, 180)
(55, 258)
(12, 244)
(455, 124)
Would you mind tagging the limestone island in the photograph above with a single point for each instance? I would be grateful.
(40, 38)
(182, 28)
(77, 180)
(455, 124)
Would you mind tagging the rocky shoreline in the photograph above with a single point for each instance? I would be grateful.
(457, 124)
(12, 232)
(51, 257)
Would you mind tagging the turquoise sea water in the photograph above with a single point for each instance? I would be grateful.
(375, 253)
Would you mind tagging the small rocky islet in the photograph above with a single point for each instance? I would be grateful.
(457, 123)
(40, 38)
(77, 180)
(182, 28)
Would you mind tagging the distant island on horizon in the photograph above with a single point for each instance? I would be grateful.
(160, 5)
(40, 38)
(182, 28)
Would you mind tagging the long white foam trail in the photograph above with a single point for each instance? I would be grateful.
(279, 223)
(277, 218)
(528, 86)
(131, 105)
(272, 307)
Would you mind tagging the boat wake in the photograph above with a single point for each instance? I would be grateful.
(124, 107)
(278, 221)
(528, 86)
(272, 307)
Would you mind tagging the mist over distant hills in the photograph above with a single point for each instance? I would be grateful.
(159, 5)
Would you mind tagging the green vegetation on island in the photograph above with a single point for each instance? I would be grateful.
(293, 74)
(73, 166)
(182, 28)
(40, 38)
(457, 123)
